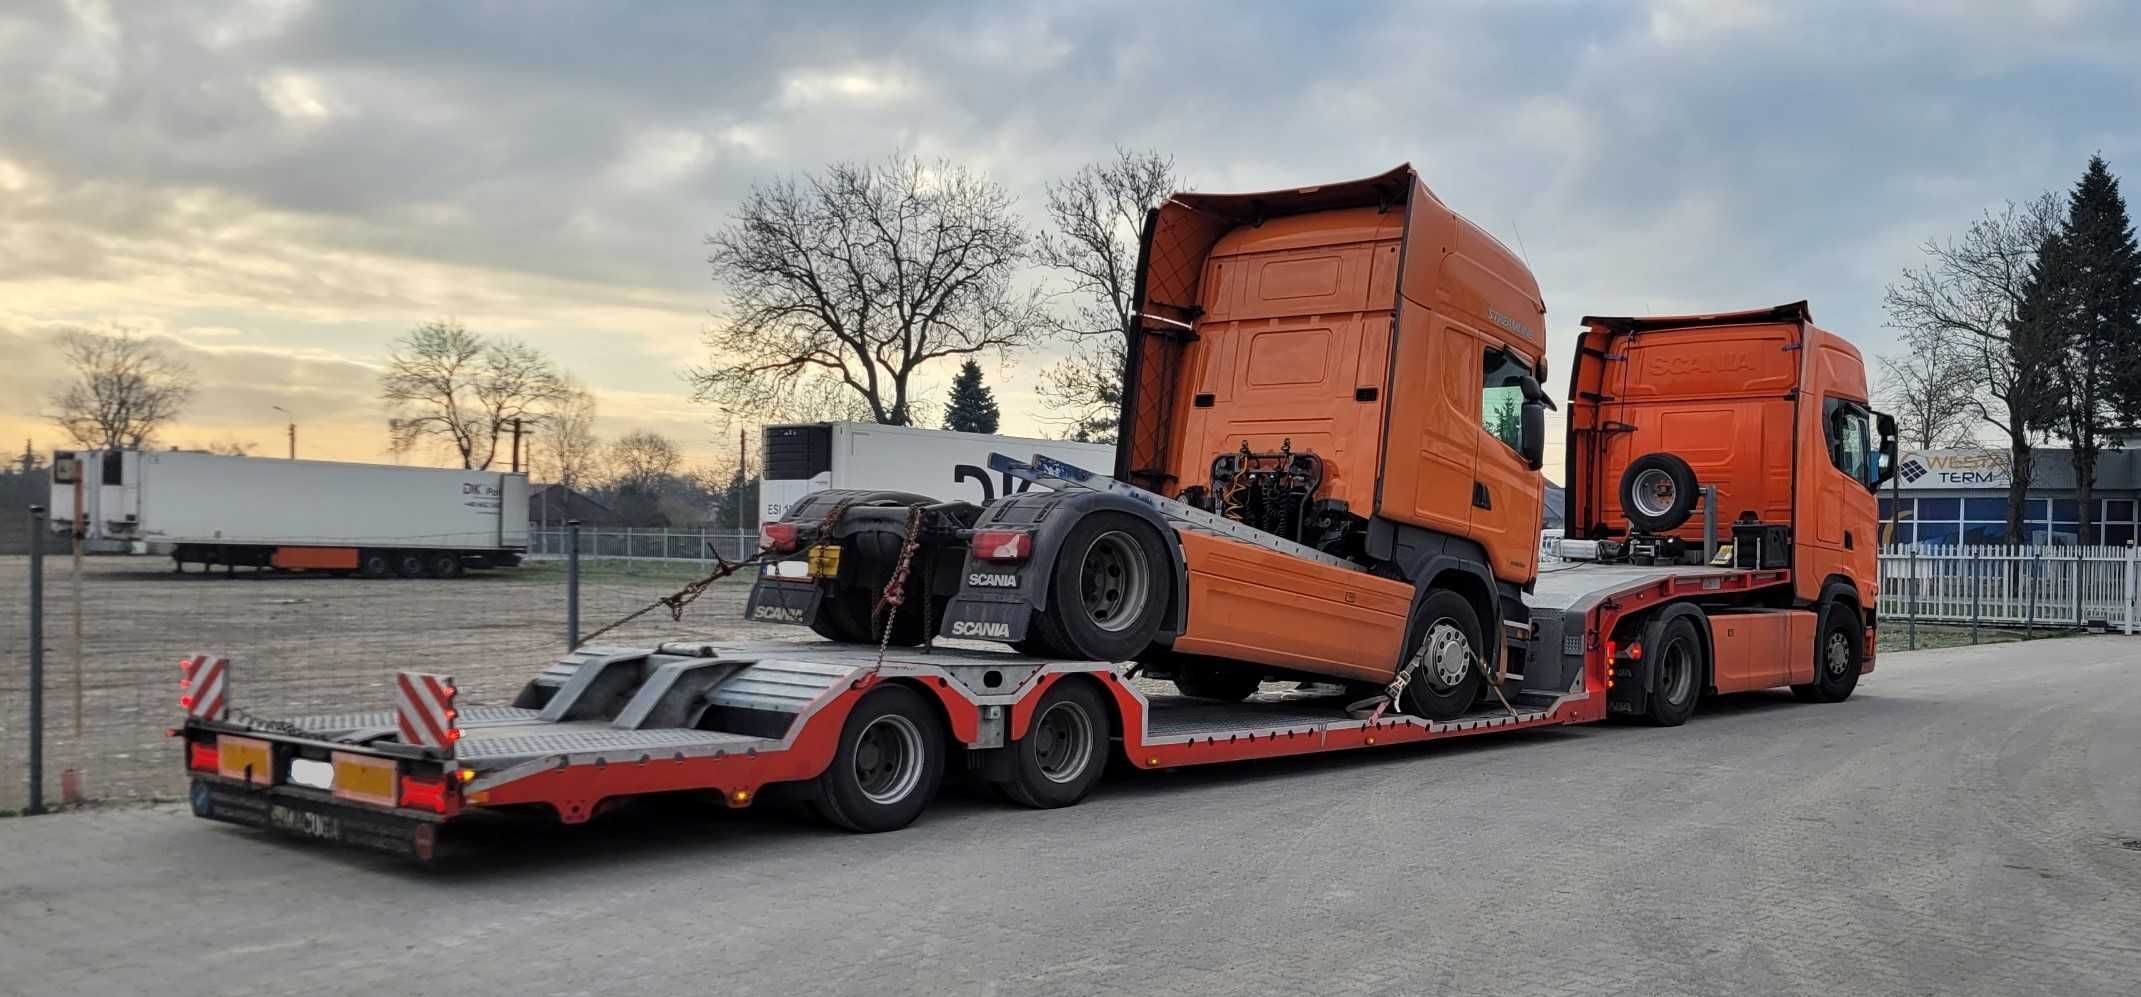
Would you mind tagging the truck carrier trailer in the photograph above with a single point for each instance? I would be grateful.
(1721, 475)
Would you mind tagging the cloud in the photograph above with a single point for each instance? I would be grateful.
(321, 176)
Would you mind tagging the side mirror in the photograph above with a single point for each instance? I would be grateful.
(1534, 423)
(1884, 425)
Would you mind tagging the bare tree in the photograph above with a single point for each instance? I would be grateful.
(123, 389)
(1929, 389)
(865, 275)
(644, 461)
(1972, 291)
(566, 450)
(1097, 215)
(446, 383)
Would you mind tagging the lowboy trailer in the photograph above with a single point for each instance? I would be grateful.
(871, 738)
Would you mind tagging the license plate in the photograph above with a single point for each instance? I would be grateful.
(365, 779)
(245, 758)
(311, 774)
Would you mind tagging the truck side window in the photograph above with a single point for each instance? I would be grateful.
(1849, 427)
(1501, 402)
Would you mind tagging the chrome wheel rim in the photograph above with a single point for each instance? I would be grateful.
(888, 759)
(1444, 657)
(1654, 493)
(1063, 742)
(1838, 653)
(1113, 581)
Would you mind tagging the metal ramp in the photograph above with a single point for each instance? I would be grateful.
(1052, 473)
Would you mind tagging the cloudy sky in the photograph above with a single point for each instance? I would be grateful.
(280, 188)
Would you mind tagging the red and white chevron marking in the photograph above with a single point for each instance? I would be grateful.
(423, 707)
(203, 693)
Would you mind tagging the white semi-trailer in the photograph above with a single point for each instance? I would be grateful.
(812, 457)
(310, 515)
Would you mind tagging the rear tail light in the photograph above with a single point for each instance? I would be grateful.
(779, 537)
(202, 756)
(1003, 545)
(423, 794)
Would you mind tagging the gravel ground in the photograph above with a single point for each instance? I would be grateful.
(1964, 825)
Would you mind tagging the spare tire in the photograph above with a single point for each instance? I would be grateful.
(1658, 492)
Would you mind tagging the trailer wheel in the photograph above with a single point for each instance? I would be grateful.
(890, 759)
(1223, 683)
(1107, 588)
(1838, 656)
(1658, 492)
(1676, 670)
(444, 564)
(375, 564)
(1445, 640)
(409, 563)
(1064, 752)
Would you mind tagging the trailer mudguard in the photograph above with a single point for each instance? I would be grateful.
(996, 600)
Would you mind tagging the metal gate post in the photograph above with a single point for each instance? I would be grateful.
(1911, 621)
(36, 802)
(2127, 593)
(1975, 581)
(572, 583)
(2077, 587)
(2029, 618)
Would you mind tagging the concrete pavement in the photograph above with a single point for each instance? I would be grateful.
(1956, 828)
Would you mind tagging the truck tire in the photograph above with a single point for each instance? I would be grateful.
(1677, 668)
(1839, 653)
(443, 564)
(1445, 683)
(845, 615)
(409, 563)
(1658, 492)
(1218, 682)
(1107, 589)
(1065, 750)
(375, 564)
(890, 759)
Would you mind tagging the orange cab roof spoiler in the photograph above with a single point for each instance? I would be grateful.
(1797, 311)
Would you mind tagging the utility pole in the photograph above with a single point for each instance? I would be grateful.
(292, 429)
(516, 445)
(742, 468)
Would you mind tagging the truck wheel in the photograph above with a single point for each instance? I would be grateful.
(1445, 640)
(1106, 591)
(837, 620)
(1223, 683)
(1676, 669)
(1064, 752)
(890, 760)
(409, 564)
(1838, 655)
(444, 564)
(1658, 492)
(375, 564)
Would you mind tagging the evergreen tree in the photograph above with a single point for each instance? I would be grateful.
(2090, 294)
(973, 405)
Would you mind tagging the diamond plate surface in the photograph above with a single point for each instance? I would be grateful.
(596, 736)
(470, 716)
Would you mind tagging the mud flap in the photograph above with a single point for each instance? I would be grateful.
(987, 616)
(784, 600)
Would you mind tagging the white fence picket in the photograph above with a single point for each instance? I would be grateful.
(2058, 586)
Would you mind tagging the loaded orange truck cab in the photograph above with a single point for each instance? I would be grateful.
(1329, 470)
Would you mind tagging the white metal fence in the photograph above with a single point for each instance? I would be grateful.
(2058, 586)
(646, 544)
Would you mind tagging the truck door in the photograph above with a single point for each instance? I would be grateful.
(1844, 488)
(1506, 499)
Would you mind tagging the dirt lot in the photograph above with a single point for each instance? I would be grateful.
(297, 644)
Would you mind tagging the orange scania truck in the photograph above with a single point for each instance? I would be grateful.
(1332, 435)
